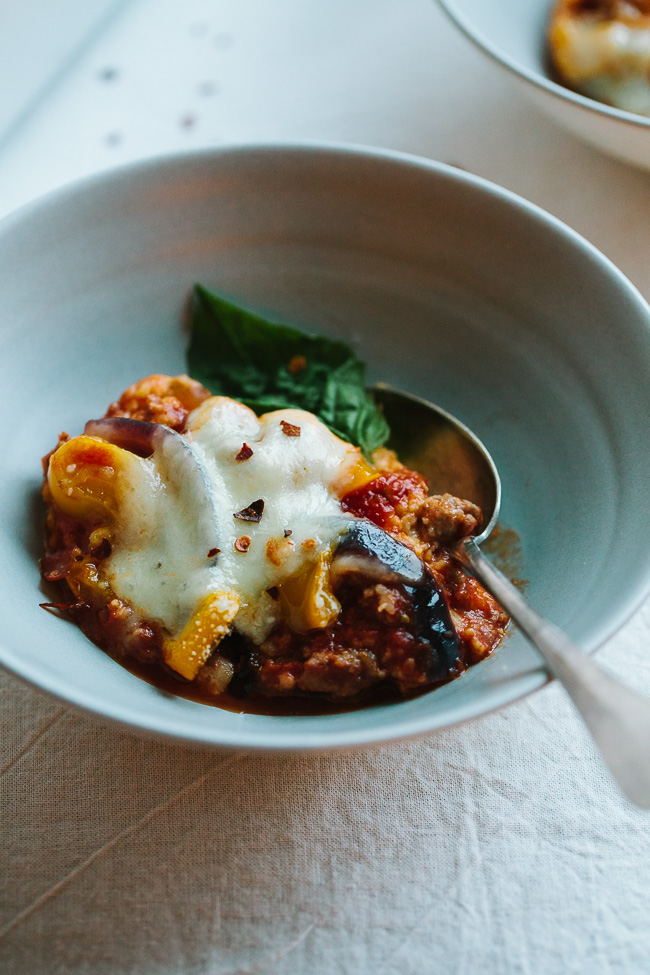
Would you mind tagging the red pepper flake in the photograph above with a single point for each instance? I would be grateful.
(244, 453)
(213, 552)
(242, 544)
(289, 429)
(253, 512)
(273, 592)
(297, 364)
(288, 532)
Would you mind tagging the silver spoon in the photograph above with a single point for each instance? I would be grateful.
(455, 460)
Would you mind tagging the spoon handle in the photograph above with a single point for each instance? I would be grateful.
(617, 717)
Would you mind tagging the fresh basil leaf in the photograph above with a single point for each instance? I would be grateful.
(267, 366)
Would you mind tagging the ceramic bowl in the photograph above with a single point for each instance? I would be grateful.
(448, 286)
(513, 34)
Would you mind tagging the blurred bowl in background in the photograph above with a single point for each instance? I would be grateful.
(513, 34)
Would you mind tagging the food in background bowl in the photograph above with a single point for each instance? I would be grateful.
(601, 49)
(553, 74)
(246, 546)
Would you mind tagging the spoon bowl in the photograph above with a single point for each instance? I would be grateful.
(451, 457)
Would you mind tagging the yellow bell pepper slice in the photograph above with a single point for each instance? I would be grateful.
(307, 600)
(208, 626)
(82, 476)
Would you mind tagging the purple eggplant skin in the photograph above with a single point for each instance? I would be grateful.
(136, 436)
(433, 625)
(369, 551)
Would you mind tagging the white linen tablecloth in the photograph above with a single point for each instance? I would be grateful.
(497, 847)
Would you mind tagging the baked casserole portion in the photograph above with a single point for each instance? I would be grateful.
(258, 553)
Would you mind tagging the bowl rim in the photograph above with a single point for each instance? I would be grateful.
(249, 740)
(534, 78)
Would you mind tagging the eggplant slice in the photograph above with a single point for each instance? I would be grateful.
(371, 553)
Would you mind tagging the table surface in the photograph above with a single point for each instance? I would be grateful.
(498, 847)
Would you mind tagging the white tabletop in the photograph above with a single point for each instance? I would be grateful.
(498, 847)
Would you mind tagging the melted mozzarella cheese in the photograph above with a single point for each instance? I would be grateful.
(608, 60)
(167, 522)
(180, 506)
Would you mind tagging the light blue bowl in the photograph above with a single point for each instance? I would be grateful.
(449, 287)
